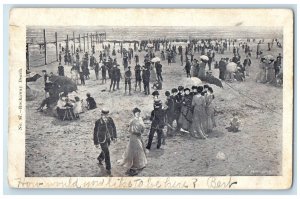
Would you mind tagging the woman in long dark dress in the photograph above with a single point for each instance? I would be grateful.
(186, 115)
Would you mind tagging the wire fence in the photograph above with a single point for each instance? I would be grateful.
(44, 47)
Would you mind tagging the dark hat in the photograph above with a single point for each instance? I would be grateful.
(205, 86)
(44, 71)
(194, 87)
(104, 111)
(180, 88)
(167, 93)
(155, 93)
(199, 89)
(187, 89)
(136, 110)
(174, 90)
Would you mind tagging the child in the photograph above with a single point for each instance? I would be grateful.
(77, 107)
(157, 85)
(234, 124)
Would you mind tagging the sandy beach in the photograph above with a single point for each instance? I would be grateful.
(57, 148)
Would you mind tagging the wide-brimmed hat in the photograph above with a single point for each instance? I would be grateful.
(105, 111)
(174, 90)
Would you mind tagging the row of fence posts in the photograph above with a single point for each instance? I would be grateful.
(94, 38)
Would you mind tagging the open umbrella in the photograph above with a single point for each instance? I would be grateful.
(189, 82)
(33, 78)
(204, 57)
(231, 67)
(268, 59)
(150, 45)
(65, 84)
(209, 78)
(155, 59)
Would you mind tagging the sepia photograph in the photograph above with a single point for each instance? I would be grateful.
(148, 101)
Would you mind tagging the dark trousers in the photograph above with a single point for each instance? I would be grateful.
(138, 82)
(128, 82)
(112, 83)
(146, 88)
(97, 75)
(188, 73)
(209, 64)
(159, 77)
(151, 134)
(104, 155)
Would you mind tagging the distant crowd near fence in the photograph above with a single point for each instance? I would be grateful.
(46, 50)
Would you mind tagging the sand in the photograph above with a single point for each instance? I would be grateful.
(65, 148)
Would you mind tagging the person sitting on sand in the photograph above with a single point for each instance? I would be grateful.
(234, 123)
(157, 85)
(91, 104)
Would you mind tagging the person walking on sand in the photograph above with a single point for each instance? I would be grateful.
(127, 77)
(157, 125)
(103, 72)
(96, 69)
(104, 132)
(134, 157)
(138, 77)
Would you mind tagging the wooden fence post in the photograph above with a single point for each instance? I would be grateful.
(83, 43)
(79, 44)
(56, 46)
(45, 46)
(27, 56)
(87, 41)
(74, 42)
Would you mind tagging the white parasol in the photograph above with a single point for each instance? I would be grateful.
(204, 57)
(155, 59)
(231, 67)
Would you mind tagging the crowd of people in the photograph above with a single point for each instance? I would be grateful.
(183, 111)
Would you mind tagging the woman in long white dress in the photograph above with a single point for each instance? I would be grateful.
(134, 157)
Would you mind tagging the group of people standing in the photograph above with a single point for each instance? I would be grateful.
(185, 111)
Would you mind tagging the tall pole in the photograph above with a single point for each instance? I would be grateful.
(83, 43)
(27, 56)
(74, 42)
(67, 45)
(45, 46)
(87, 41)
(79, 44)
(56, 46)
(91, 40)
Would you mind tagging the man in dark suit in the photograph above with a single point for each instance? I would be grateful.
(146, 80)
(104, 133)
(158, 68)
(157, 125)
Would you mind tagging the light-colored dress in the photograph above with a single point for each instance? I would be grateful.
(152, 74)
(135, 157)
(261, 75)
(199, 116)
(77, 107)
(210, 110)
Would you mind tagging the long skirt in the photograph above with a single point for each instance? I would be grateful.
(261, 76)
(211, 123)
(185, 118)
(199, 125)
(134, 157)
